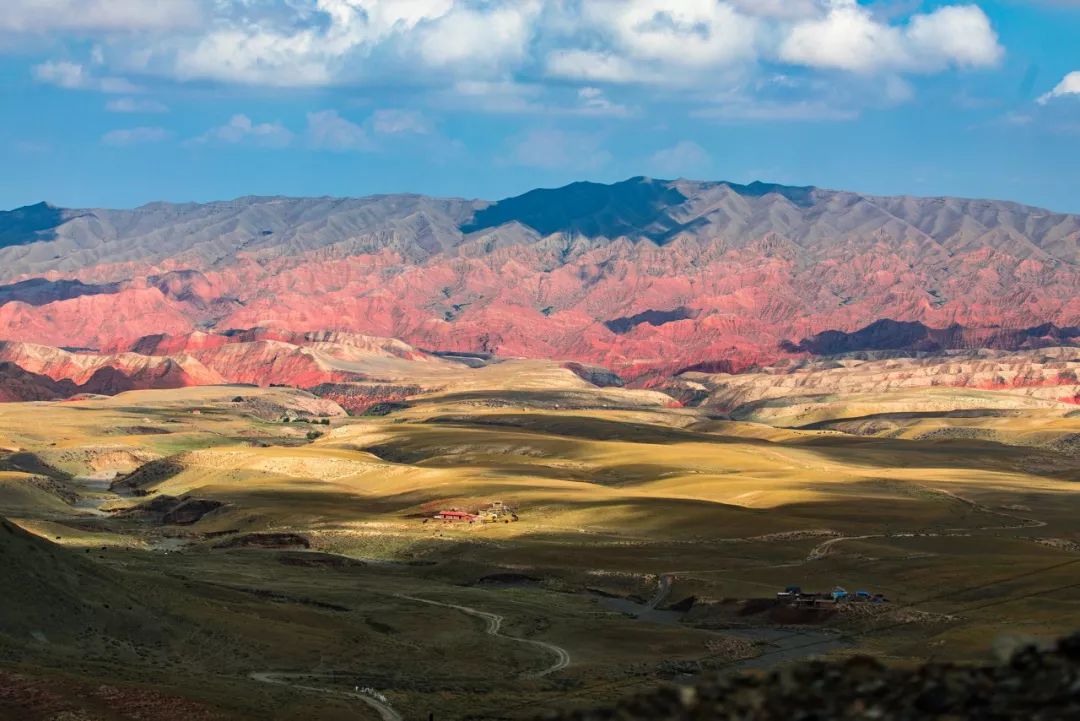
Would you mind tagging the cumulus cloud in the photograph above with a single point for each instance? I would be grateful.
(593, 101)
(242, 130)
(329, 131)
(136, 105)
(1069, 85)
(336, 40)
(598, 67)
(516, 55)
(74, 76)
(656, 40)
(780, 9)
(135, 136)
(491, 37)
(848, 37)
(682, 32)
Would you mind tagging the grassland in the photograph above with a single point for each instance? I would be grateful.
(626, 507)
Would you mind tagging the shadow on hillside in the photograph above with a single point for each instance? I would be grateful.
(588, 399)
(412, 445)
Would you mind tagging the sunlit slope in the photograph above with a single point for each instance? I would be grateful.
(630, 473)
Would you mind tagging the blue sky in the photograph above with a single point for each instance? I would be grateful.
(120, 102)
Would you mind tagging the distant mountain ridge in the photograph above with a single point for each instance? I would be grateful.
(644, 276)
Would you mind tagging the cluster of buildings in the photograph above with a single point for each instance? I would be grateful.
(795, 596)
(494, 513)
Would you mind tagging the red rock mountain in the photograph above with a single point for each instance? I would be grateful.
(645, 277)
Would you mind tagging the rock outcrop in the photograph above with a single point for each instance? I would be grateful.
(1039, 685)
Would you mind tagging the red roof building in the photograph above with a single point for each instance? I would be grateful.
(456, 516)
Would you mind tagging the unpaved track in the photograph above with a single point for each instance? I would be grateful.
(1019, 522)
(385, 711)
(662, 590)
(494, 628)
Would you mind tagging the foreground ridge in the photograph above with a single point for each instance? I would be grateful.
(1033, 684)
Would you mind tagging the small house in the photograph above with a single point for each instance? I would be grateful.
(456, 516)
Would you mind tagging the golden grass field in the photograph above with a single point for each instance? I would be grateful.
(968, 523)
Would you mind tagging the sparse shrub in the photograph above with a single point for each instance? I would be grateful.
(312, 435)
(284, 419)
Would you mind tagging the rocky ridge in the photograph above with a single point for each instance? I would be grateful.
(645, 278)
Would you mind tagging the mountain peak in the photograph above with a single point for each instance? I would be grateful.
(799, 195)
(29, 223)
(637, 208)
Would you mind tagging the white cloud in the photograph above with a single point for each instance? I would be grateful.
(959, 35)
(135, 136)
(513, 55)
(683, 158)
(779, 9)
(680, 32)
(669, 41)
(490, 38)
(392, 121)
(136, 105)
(598, 67)
(42, 16)
(336, 41)
(593, 101)
(848, 37)
(73, 76)
(242, 130)
(329, 131)
(1069, 85)
(502, 96)
(551, 149)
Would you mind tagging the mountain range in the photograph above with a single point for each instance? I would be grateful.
(647, 278)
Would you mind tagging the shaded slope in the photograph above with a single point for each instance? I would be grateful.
(17, 384)
(28, 224)
(1034, 684)
(63, 603)
(39, 291)
(896, 335)
(636, 208)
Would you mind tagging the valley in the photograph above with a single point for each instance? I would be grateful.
(403, 457)
(191, 552)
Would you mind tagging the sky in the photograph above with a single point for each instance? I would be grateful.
(116, 103)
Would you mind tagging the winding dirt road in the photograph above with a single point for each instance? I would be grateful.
(494, 628)
(385, 711)
(1019, 522)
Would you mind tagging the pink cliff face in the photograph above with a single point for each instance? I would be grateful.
(712, 277)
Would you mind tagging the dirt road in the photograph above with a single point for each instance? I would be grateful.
(385, 711)
(494, 628)
(1017, 523)
(662, 591)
